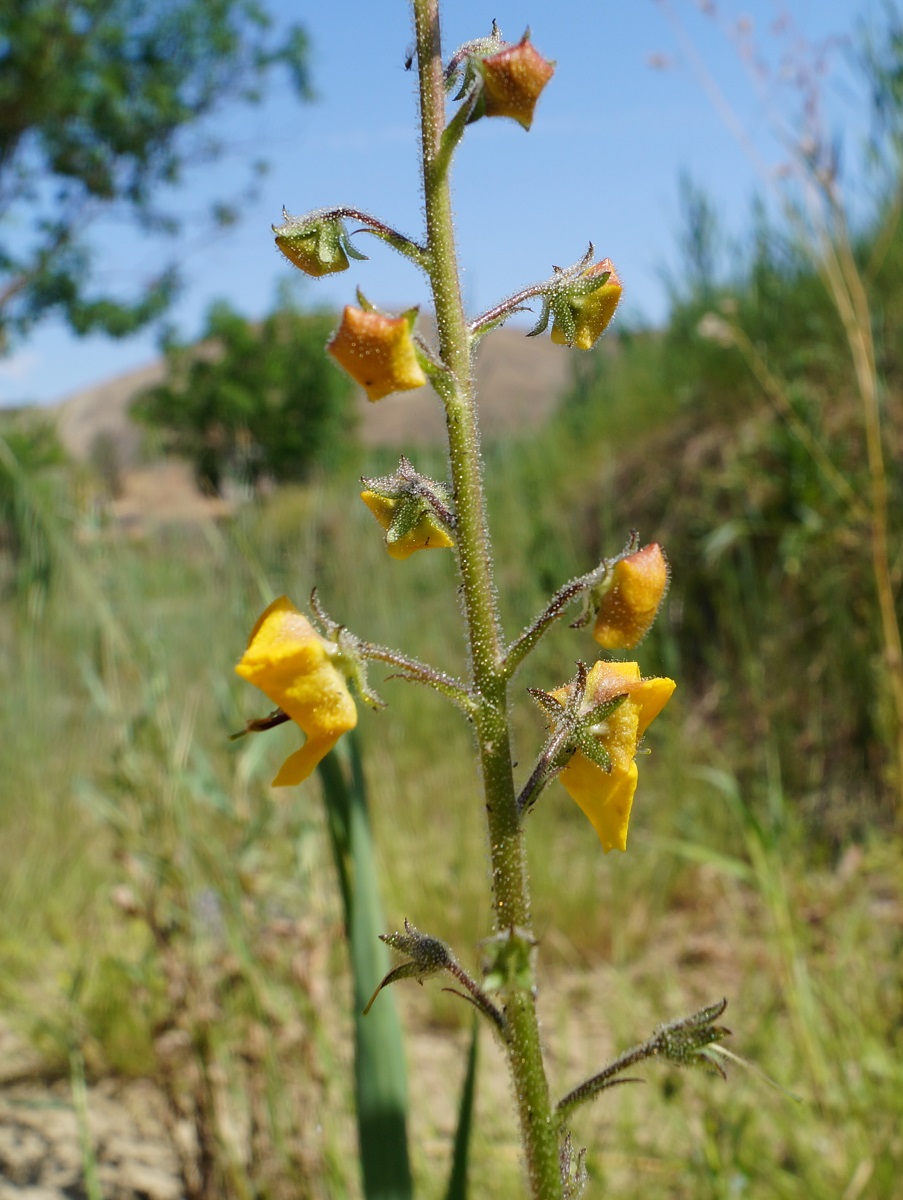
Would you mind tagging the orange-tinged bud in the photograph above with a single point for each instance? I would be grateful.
(513, 80)
(295, 667)
(637, 587)
(378, 352)
(588, 313)
(606, 797)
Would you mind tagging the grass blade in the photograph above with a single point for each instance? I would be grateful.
(457, 1181)
(379, 1066)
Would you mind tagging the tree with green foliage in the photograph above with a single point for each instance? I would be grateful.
(253, 401)
(101, 107)
(30, 450)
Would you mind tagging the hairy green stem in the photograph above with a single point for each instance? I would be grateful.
(511, 902)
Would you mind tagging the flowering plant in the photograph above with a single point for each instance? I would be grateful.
(598, 720)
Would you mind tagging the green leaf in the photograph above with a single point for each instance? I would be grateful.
(379, 1067)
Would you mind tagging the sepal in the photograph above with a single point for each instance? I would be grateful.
(427, 956)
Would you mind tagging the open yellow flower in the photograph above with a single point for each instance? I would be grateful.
(607, 796)
(294, 666)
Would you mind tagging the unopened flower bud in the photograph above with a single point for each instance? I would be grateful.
(415, 511)
(584, 311)
(317, 245)
(513, 79)
(636, 588)
(378, 352)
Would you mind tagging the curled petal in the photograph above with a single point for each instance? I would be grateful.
(294, 666)
(606, 799)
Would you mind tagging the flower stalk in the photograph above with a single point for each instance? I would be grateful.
(511, 900)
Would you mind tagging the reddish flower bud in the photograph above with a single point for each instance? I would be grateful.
(637, 586)
(513, 79)
(378, 352)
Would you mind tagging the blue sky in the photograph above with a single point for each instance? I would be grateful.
(627, 111)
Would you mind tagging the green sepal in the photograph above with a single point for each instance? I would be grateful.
(543, 322)
(408, 515)
(590, 747)
(685, 1042)
(564, 316)
(403, 971)
(549, 704)
(428, 955)
(351, 250)
(586, 287)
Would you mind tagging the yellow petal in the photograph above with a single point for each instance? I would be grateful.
(292, 665)
(650, 698)
(298, 766)
(382, 507)
(606, 798)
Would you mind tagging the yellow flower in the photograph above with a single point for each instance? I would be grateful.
(607, 796)
(637, 587)
(378, 352)
(293, 665)
(420, 528)
(513, 80)
(587, 313)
